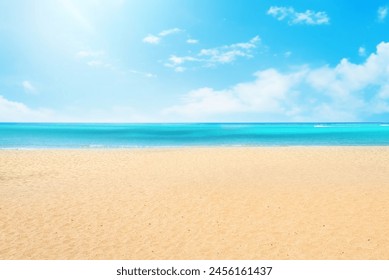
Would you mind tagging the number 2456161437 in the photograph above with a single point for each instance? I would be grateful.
(240, 270)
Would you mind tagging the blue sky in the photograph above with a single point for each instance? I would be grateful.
(194, 61)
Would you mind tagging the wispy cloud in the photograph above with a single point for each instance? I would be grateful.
(229, 53)
(151, 39)
(192, 41)
(28, 87)
(16, 111)
(382, 12)
(95, 58)
(308, 17)
(213, 56)
(346, 92)
(176, 62)
(11, 111)
(166, 32)
(99, 59)
(156, 39)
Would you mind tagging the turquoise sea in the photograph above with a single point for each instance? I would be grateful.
(61, 135)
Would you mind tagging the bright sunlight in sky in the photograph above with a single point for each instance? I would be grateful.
(194, 61)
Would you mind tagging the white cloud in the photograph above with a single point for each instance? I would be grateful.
(229, 53)
(28, 87)
(156, 39)
(263, 95)
(192, 41)
(177, 60)
(225, 56)
(219, 55)
(384, 92)
(95, 59)
(166, 32)
(341, 93)
(362, 51)
(382, 12)
(280, 13)
(11, 111)
(151, 39)
(308, 17)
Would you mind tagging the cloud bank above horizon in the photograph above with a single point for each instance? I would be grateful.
(340, 93)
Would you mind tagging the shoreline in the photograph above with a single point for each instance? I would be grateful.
(192, 147)
(322, 202)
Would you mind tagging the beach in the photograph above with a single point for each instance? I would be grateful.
(195, 203)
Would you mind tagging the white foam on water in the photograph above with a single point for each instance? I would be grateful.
(321, 125)
(95, 146)
(17, 148)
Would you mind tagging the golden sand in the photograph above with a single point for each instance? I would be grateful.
(195, 203)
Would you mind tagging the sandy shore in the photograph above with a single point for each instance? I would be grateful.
(195, 203)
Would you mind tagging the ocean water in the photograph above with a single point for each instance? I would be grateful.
(51, 135)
